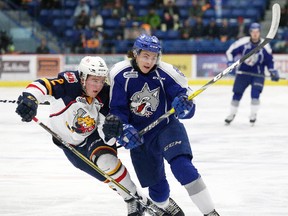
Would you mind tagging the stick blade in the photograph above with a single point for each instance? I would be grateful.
(276, 14)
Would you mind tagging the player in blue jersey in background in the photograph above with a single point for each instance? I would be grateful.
(79, 102)
(251, 71)
(142, 89)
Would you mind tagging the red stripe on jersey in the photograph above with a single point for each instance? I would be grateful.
(63, 110)
(35, 86)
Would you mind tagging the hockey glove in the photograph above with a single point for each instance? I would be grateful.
(112, 127)
(184, 108)
(130, 137)
(27, 106)
(274, 75)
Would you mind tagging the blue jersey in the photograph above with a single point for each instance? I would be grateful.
(138, 98)
(255, 63)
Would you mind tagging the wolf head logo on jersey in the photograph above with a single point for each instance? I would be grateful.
(82, 124)
(252, 60)
(144, 100)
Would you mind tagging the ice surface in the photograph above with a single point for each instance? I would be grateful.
(244, 167)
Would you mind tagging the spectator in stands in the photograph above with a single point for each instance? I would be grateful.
(170, 16)
(119, 31)
(153, 19)
(117, 10)
(82, 21)
(185, 30)
(195, 10)
(96, 21)
(81, 45)
(224, 31)
(132, 33)
(211, 31)
(198, 29)
(131, 14)
(43, 48)
(6, 43)
(82, 5)
(94, 44)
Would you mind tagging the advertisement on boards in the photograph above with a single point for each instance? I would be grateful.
(281, 64)
(210, 65)
(48, 65)
(17, 67)
(182, 62)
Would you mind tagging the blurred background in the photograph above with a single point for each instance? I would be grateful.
(196, 32)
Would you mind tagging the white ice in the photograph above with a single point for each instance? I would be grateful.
(244, 167)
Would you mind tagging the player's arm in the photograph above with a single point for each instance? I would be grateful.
(37, 91)
(269, 61)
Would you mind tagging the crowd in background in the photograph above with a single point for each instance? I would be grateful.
(160, 17)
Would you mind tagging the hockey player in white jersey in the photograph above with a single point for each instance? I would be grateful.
(79, 103)
(143, 88)
(250, 72)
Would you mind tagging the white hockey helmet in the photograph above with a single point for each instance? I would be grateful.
(92, 65)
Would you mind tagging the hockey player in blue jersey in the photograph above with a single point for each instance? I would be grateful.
(79, 102)
(250, 72)
(142, 89)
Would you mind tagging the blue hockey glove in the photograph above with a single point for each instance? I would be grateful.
(184, 108)
(27, 106)
(112, 127)
(274, 75)
(130, 137)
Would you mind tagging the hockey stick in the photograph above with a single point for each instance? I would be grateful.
(257, 75)
(15, 101)
(92, 165)
(271, 34)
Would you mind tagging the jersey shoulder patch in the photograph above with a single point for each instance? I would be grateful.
(70, 77)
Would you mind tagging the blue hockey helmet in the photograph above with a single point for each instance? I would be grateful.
(148, 43)
(254, 26)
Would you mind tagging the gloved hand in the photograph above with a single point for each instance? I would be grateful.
(229, 63)
(112, 127)
(184, 108)
(130, 137)
(274, 75)
(27, 106)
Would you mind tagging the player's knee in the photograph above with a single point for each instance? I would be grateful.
(255, 94)
(108, 162)
(159, 192)
(237, 96)
(183, 169)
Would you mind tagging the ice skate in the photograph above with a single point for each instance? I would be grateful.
(229, 119)
(173, 209)
(134, 208)
(252, 119)
(213, 213)
(159, 211)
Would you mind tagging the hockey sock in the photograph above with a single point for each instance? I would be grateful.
(200, 196)
(111, 165)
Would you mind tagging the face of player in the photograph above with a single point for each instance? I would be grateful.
(94, 85)
(146, 60)
(255, 35)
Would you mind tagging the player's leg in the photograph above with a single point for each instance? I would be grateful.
(256, 89)
(240, 84)
(105, 157)
(148, 163)
(179, 156)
